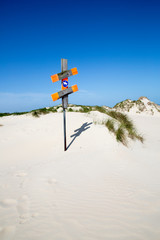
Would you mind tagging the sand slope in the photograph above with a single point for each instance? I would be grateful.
(98, 189)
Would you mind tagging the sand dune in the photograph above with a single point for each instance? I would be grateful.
(97, 189)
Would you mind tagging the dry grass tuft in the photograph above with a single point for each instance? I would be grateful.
(126, 127)
(110, 125)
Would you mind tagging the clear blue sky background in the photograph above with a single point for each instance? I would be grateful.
(115, 46)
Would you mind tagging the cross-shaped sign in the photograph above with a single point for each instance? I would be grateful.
(65, 90)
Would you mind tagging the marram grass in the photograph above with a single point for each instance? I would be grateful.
(125, 130)
(110, 125)
(121, 135)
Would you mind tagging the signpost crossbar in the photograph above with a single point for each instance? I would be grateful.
(65, 90)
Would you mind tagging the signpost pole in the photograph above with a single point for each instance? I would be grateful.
(65, 90)
(64, 121)
(64, 101)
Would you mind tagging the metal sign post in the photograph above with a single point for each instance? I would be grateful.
(64, 67)
(63, 76)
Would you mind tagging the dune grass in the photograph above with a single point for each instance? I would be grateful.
(4, 114)
(121, 135)
(70, 110)
(126, 127)
(9, 114)
(35, 114)
(119, 124)
(110, 125)
(43, 111)
(100, 109)
(85, 109)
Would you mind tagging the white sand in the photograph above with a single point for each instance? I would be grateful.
(98, 189)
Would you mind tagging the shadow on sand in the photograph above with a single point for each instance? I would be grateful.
(78, 132)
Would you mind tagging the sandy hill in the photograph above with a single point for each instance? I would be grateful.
(142, 106)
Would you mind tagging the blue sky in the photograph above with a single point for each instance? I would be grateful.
(115, 46)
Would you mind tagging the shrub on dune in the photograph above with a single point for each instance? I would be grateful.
(35, 114)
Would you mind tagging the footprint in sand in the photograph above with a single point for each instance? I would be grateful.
(23, 207)
(52, 181)
(8, 203)
(21, 174)
(34, 215)
(7, 233)
(4, 140)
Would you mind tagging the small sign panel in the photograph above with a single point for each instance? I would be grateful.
(65, 83)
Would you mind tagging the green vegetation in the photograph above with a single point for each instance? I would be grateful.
(123, 120)
(110, 125)
(9, 114)
(125, 105)
(100, 109)
(139, 102)
(35, 114)
(119, 133)
(43, 111)
(5, 114)
(19, 113)
(121, 136)
(126, 127)
(70, 110)
(85, 109)
(121, 105)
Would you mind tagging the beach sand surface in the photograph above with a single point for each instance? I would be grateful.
(98, 189)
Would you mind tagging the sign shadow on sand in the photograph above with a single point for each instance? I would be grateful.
(78, 132)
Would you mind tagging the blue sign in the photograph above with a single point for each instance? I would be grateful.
(65, 83)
